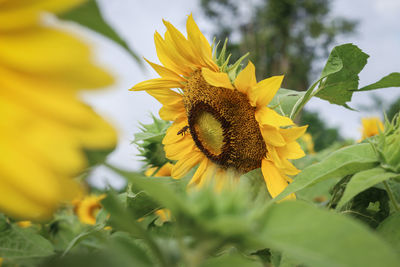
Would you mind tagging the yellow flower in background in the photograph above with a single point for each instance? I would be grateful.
(308, 140)
(24, 224)
(44, 127)
(370, 127)
(225, 127)
(87, 208)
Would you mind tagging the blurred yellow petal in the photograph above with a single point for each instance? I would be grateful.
(200, 171)
(14, 15)
(246, 79)
(217, 79)
(185, 164)
(67, 60)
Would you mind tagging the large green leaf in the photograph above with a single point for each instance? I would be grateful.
(23, 244)
(338, 87)
(284, 101)
(89, 15)
(318, 237)
(231, 260)
(340, 163)
(390, 230)
(391, 80)
(364, 180)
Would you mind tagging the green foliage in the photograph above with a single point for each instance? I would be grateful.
(340, 163)
(338, 86)
(149, 142)
(89, 15)
(22, 246)
(284, 101)
(391, 80)
(364, 180)
(389, 230)
(304, 232)
(393, 109)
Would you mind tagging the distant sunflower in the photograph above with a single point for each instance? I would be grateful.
(87, 208)
(224, 126)
(370, 127)
(45, 129)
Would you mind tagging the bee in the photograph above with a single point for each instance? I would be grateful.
(183, 131)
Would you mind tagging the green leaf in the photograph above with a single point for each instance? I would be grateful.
(89, 15)
(23, 244)
(154, 187)
(340, 163)
(362, 181)
(390, 230)
(391, 80)
(338, 87)
(229, 260)
(318, 237)
(284, 101)
(82, 236)
(141, 204)
(333, 65)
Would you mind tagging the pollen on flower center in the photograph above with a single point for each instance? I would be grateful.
(222, 125)
(209, 129)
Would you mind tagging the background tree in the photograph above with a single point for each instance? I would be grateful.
(284, 36)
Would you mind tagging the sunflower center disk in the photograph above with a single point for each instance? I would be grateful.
(223, 126)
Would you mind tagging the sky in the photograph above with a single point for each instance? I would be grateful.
(378, 35)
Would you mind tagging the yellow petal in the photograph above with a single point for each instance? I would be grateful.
(180, 149)
(290, 151)
(198, 175)
(14, 14)
(199, 43)
(181, 44)
(217, 79)
(274, 179)
(184, 165)
(246, 79)
(67, 60)
(176, 53)
(156, 84)
(171, 136)
(165, 96)
(165, 72)
(293, 133)
(172, 111)
(263, 92)
(272, 136)
(267, 116)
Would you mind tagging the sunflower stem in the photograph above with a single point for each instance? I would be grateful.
(391, 196)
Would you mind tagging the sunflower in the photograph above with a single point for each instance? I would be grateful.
(220, 122)
(87, 208)
(370, 127)
(45, 128)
